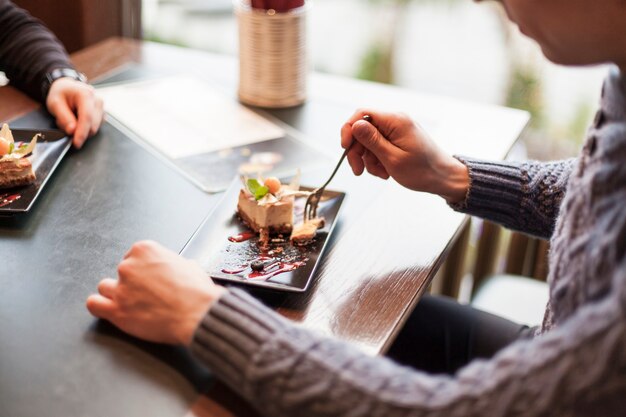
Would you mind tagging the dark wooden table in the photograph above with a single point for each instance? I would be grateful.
(56, 360)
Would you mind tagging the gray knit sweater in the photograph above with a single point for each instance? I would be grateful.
(575, 367)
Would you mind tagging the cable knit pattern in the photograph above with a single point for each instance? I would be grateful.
(523, 196)
(590, 236)
(576, 367)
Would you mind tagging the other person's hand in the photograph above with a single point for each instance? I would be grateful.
(77, 109)
(393, 145)
(159, 296)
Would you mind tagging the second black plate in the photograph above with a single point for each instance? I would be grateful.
(47, 155)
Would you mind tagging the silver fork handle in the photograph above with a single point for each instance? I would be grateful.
(345, 153)
(311, 201)
(368, 119)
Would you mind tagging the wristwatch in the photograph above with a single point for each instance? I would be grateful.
(57, 73)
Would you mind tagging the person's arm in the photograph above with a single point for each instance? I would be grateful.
(28, 51)
(30, 55)
(523, 196)
(285, 370)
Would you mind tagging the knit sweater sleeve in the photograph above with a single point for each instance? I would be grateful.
(28, 50)
(285, 370)
(523, 196)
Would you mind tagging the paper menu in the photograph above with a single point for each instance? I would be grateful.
(182, 116)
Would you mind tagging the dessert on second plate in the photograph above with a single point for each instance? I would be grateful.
(15, 168)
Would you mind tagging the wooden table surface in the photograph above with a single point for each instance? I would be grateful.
(385, 250)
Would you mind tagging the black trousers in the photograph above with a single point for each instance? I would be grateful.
(442, 335)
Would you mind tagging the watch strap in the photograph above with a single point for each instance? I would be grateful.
(57, 73)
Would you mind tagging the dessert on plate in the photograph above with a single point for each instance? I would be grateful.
(15, 168)
(267, 207)
(304, 232)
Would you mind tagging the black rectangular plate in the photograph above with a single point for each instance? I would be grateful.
(47, 155)
(211, 247)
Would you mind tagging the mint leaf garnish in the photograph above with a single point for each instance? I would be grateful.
(256, 189)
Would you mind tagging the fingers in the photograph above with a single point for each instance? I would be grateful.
(356, 162)
(101, 307)
(143, 248)
(64, 115)
(79, 112)
(372, 140)
(346, 135)
(346, 129)
(371, 136)
(355, 156)
(360, 113)
(85, 107)
(373, 166)
(130, 251)
(107, 287)
(97, 116)
(384, 122)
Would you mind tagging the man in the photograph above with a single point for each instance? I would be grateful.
(576, 363)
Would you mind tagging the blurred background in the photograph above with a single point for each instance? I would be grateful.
(449, 47)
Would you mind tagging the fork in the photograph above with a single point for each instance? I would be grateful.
(313, 200)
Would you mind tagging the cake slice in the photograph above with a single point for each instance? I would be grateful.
(15, 168)
(267, 208)
(304, 232)
(16, 172)
(264, 207)
(275, 216)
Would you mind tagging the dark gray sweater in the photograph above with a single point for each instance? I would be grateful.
(28, 50)
(576, 366)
